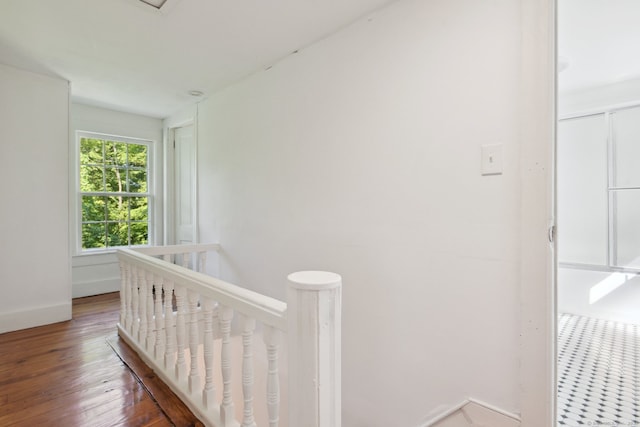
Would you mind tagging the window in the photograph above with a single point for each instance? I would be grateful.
(114, 191)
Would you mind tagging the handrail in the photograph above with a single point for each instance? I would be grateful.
(267, 310)
(177, 249)
(182, 323)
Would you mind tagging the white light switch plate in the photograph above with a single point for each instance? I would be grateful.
(491, 159)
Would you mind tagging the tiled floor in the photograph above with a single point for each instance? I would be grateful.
(598, 372)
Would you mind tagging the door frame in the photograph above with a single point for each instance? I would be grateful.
(537, 165)
(169, 207)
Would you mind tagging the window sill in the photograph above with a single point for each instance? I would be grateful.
(94, 258)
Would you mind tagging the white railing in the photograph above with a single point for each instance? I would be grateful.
(199, 334)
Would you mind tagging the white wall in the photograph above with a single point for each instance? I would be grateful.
(603, 295)
(34, 263)
(99, 273)
(361, 155)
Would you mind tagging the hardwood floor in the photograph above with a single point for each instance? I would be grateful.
(71, 374)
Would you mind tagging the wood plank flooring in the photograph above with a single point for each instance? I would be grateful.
(68, 374)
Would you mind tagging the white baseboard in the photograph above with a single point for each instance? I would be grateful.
(472, 413)
(32, 317)
(95, 287)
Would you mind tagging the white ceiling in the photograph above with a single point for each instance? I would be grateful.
(128, 56)
(600, 40)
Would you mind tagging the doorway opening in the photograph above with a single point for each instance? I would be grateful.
(598, 209)
(184, 185)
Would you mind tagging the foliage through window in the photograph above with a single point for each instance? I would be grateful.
(114, 188)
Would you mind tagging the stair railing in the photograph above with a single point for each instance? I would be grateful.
(195, 331)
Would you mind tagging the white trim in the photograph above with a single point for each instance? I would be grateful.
(92, 259)
(70, 198)
(446, 414)
(32, 317)
(471, 406)
(495, 409)
(537, 166)
(96, 287)
(112, 137)
(196, 183)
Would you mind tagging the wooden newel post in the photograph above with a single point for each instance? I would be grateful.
(314, 331)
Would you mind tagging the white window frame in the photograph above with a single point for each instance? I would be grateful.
(79, 250)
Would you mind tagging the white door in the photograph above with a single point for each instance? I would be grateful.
(184, 207)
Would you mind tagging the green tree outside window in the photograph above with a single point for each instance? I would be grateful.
(114, 192)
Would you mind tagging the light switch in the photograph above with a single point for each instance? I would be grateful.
(491, 159)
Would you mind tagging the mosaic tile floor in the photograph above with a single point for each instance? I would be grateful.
(598, 372)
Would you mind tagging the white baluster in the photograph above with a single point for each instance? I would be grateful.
(135, 294)
(247, 372)
(313, 322)
(142, 284)
(150, 338)
(128, 320)
(272, 341)
(181, 333)
(209, 392)
(185, 260)
(123, 292)
(170, 342)
(194, 374)
(203, 262)
(226, 407)
(160, 331)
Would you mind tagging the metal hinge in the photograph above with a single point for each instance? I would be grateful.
(552, 234)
